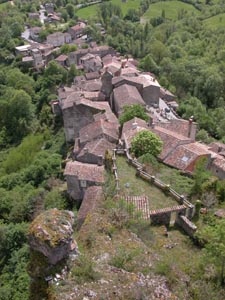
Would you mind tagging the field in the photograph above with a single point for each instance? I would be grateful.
(134, 186)
(171, 9)
(91, 11)
(215, 22)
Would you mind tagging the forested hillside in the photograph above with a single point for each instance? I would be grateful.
(181, 42)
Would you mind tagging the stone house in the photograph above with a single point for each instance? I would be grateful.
(130, 129)
(185, 157)
(217, 167)
(28, 61)
(125, 95)
(100, 129)
(81, 176)
(58, 39)
(107, 86)
(23, 50)
(151, 88)
(170, 140)
(102, 51)
(77, 30)
(62, 60)
(49, 7)
(93, 152)
(92, 75)
(91, 63)
(74, 57)
(38, 60)
(187, 128)
(34, 33)
(78, 113)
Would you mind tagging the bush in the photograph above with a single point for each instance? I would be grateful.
(83, 271)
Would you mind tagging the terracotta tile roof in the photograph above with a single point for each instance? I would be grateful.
(92, 197)
(126, 95)
(93, 85)
(145, 80)
(217, 147)
(87, 56)
(61, 58)
(219, 162)
(180, 126)
(78, 27)
(170, 140)
(131, 128)
(97, 147)
(129, 71)
(92, 75)
(97, 130)
(183, 156)
(88, 172)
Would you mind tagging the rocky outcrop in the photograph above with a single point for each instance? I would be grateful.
(51, 234)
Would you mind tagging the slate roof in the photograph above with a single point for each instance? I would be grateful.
(126, 95)
(98, 128)
(88, 172)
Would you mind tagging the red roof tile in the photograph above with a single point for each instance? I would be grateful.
(88, 172)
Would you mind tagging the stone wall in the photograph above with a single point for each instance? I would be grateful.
(183, 222)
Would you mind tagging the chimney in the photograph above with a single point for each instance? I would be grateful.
(190, 123)
(134, 125)
(85, 150)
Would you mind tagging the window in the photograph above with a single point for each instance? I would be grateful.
(83, 183)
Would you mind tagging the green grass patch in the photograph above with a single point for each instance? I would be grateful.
(137, 186)
(91, 11)
(215, 22)
(5, 6)
(171, 9)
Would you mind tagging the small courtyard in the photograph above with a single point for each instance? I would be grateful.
(130, 185)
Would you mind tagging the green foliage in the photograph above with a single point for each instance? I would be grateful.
(131, 111)
(220, 190)
(146, 142)
(54, 199)
(16, 113)
(124, 258)
(215, 247)
(23, 155)
(201, 176)
(83, 270)
(67, 48)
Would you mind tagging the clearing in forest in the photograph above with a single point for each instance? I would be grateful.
(171, 9)
(91, 11)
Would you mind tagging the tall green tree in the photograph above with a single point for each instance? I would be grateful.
(146, 142)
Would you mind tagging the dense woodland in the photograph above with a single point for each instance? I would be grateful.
(185, 53)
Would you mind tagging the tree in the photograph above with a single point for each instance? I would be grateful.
(215, 246)
(146, 142)
(72, 73)
(135, 110)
